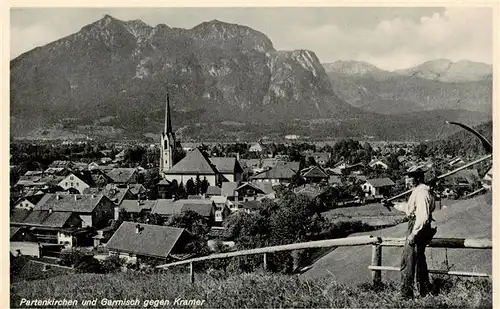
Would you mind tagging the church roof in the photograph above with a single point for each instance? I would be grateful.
(193, 163)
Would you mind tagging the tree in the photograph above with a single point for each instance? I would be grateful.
(181, 192)
(196, 224)
(190, 187)
(151, 180)
(204, 186)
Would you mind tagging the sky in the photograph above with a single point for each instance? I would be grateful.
(390, 38)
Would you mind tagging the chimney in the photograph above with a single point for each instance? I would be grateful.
(76, 197)
(50, 210)
(137, 229)
(58, 197)
(93, 195)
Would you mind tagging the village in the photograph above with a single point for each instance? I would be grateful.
(146, 212)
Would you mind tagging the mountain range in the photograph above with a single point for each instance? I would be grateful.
(224, 80)
(465, 85)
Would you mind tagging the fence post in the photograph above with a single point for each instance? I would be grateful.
(376, 261)
(265, 261)
(191, 272)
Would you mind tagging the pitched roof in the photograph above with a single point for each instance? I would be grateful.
(14, 230)
(217, 199)
(121, 174)
(137, 206)
(381, 182)
(213, 190)
(18, 215)
(224, 164)
(252, 185)
(266, 187)
(136, 188)
(280, 171)
(202, 207)
(228, 188)
(113, 192)
(164, 207)
(152, 240)
(314, 172)
(31, 198)
(193, 163)
(45, 218)
(84, 203)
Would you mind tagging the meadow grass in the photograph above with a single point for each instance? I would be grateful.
(255, 290)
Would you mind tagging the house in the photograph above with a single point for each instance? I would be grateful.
(254, 191)
(137, 206)
(257, 147)
(314, 174)
(375, 163)
(115, 193)
(135, 242)
(229, 190)
(213, 191)
(169, 207)
(62, 163)
(378, 186)
(249, 206)
(59, 171)
(100, 178)
(28, 202)
(279, 174)
(78, 181)
(222, 207)
(38, 182)
(94, 210)
(194, 164)
(137, 189)
(50, 226)
(123, 175)
(230, 168)
(321, 158)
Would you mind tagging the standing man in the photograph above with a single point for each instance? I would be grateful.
(419, 211)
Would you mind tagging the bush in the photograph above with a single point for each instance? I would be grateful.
(88, 264)
(112, 264)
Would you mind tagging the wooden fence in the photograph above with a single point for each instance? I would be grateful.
(377, 244)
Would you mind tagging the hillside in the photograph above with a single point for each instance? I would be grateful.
(463, 219)
(256, 290)
(462, 143)
(372, 89)
(445, 70)
(214, 71)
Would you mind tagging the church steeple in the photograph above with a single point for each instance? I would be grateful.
(168, 121)
(167, 146)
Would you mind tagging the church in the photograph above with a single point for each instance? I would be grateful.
(195, 164)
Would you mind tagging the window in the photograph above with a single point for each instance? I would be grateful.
(71, 184)
(70, 177)
(77, 184)
(66, 184)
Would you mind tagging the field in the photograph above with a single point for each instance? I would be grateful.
(374, 215)
(471, 218)
(257, 290)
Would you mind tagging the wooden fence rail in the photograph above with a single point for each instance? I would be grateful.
(454, 243)
(376, 262)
